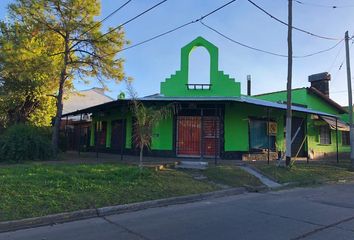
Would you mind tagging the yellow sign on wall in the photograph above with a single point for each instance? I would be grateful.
(272, 128)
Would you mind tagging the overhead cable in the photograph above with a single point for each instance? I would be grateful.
(293, 27)
(268, 52)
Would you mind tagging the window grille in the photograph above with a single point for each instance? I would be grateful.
(345, 138)
(325, 135)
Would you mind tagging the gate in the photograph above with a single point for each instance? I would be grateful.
(198, 136)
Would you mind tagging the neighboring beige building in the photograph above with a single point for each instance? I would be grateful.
(74, 129)
(84, 99)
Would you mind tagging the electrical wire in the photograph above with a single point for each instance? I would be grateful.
(175, 29)
(268, 52)
(342, 63)
(100, 22)
(133, 18)
(293, 27)
(335, 58)
(108, 16)
(126, 22)
(324, 6)
(157, 36)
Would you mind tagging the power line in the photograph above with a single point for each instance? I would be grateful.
(108, 16)
(132, 19)
(335, 58)
(176, 28)
(268, 52)
(157, 36)
(242, 44)
(342, 63)
(100, 22)
(284, 23)
(324, 6)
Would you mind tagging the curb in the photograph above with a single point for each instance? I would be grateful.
(118, 209)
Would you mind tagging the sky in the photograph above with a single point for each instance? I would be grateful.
(152, 63)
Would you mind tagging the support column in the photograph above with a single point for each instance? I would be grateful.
(337, 155)
(123, 142)
(202, 135)
(217, 147)
(92, 134)
(307, 141)
(66, 133)
(79, 144)
(97, 136)
(268, 126)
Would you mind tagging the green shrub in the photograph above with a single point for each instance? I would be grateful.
(23, 142)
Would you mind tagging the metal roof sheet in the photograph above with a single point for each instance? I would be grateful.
(241, 99)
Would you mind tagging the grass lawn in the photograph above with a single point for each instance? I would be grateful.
(304, 173)
(31, 190)
(231, 176)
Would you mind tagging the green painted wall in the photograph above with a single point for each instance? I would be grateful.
(236, 125)
(109, 117)
(314, 140)
(163, 135)
(92, 134)
(302, 96)
(221, 84)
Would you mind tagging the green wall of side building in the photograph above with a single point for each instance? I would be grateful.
(302, 96)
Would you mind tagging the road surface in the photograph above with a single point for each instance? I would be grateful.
(325, 212)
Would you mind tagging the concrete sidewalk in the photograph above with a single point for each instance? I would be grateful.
(264, 179)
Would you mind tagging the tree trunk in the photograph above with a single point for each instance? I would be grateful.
(57, 120)
(141, 157)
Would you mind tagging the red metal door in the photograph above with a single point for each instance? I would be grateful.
(211, 132)
(188, 135)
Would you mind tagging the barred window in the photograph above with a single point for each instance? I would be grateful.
(325, 135)
(259, 135)
(345, 138)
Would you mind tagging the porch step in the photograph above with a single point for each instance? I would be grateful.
(192, 165)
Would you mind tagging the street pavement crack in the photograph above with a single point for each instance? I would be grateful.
(305, 235)
(331, 204)
(286, 217)
(125, 228)
(344, 229)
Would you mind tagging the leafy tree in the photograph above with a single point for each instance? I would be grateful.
(27, 76)
(84, 51)
(22, 142)
(145, 120)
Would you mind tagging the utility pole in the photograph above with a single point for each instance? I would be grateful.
(350, 101)
(288, 87)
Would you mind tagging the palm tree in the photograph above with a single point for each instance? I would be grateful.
(146, 118)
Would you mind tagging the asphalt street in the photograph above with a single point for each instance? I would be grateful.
(325, 212)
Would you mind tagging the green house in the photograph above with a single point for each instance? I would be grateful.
(214, 120)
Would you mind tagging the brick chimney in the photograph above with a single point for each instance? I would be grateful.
(320, 81)
(248, 85)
